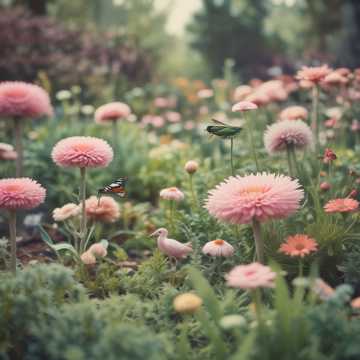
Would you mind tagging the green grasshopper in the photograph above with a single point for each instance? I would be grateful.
(223, 130)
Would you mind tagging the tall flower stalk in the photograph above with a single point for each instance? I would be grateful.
(259, 244)
(244, 106)
(315, 116)
(82, 152)
(18, 194)
(82, 197)
(18, 133)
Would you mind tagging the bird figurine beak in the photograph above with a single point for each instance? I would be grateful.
(153, 234)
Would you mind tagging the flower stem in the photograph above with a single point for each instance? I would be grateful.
(18, 130)
(289, 160)
(315, 115)
(259, 244)
(171, 216)
(115, 131)
(231, 156)
(82, 197)
(194, 198)
(12, 228)
(256, 297)
(301, 268)
(252, 142)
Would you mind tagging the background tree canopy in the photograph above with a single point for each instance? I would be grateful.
(256, 34)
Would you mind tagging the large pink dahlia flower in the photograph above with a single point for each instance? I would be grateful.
(20, 99)
(20, 193)
(260, 197)
(285, 133)
(82, 151)
(112, 112)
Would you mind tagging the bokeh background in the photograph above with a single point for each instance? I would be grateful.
(109, 46)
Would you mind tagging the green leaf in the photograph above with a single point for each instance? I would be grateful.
(206, 292)
(65, 246)
(45, 236)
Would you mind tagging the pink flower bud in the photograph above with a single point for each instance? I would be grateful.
(191, 167)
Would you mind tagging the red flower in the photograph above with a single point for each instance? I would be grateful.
(329, 156)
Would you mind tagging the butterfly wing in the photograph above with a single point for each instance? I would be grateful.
(117, 187)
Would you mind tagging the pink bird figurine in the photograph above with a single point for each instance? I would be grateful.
(171, 247)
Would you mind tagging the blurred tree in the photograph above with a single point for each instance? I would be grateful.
(231, 29)
(67, 56)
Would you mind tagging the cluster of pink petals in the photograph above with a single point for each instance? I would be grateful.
(20, 99)
(241, 92)
(314, 74)
(288, 132)
(335, 78)
(82, 151)
(244, 106)
(156, 121)
(205, 93)
(251, 276)
(173, 116)
(355, 125)
(293, 113)
(98, 250)
(274, 90)
(239, 200)
(65, 212)
(323, 290)
(165, 102)
(88, 258)
(112, 112)
(298, 245)
(20, 193)
(172, 193)
(218, 247)
(341, 205)
(106, 210)
(7, 152)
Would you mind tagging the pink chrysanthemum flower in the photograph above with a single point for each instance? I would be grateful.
(258, 97)
(88, 258)
(274, 90)
(82, 151)
(293, 113)
(341, 205)
(98, 250)
(107, 210)
(314, 74)
(218, 247)
(323, 290)
(65, 212)
(20, 193)
(172, 193)
(7, 152)
(251, 276)
(298, 245)
(173, 116)
(288, 132)
(335, 78)
(261, 197)
(244, 106)
(20, 99)
(112, 112)
(241, 92)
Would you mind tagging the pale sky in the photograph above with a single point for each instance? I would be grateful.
(180, 14)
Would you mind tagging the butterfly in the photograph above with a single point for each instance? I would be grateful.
(117, 187)
(223, 130)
